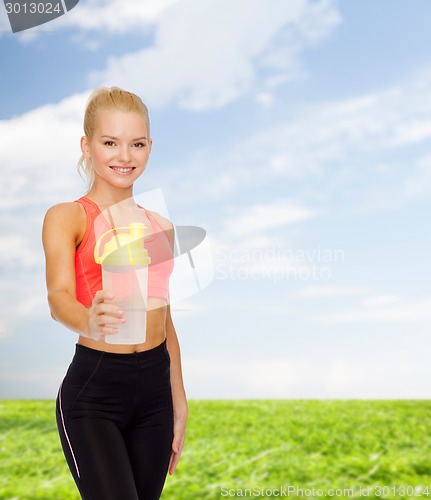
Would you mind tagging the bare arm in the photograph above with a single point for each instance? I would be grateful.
(178, 393)
(63, 227)
(177, 385)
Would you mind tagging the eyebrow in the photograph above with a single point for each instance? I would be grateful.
(117, 139)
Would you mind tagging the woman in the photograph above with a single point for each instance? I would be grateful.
(121, 409)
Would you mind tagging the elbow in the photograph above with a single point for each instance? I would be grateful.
(52, 314)
(51, 305)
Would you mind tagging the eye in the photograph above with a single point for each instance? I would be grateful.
(109, 143)
(139, 144)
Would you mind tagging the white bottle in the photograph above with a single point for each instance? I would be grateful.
(124, 263)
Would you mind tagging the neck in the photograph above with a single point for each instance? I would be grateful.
(107, 197)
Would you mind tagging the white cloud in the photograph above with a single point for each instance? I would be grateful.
(419, 183)
(94, 16)
(329, 148)
(264, 98)
(324, 291)
(42, 151)
(207, 54)
(43, 147)
(398, 376)
(342, 153)
(261, 217)
(381, 300)
(330, 132)
(23, 296)
(413, 312)
(395, 376)
(322, 150)
(250, 242)
(240, 378)
(115, 16)
(25, 383)
(20, 244)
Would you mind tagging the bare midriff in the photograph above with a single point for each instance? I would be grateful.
(156, 334)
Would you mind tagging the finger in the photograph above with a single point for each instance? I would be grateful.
(102, 295)
(108, 330)
(170, 462)
(172, 465)
(175, 458)
(108, 321)
(108, 310)
(102, 330)
(102, 325)
(176, 444)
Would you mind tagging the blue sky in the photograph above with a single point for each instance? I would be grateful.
(296, 133)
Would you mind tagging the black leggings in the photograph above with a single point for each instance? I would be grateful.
(115, 419)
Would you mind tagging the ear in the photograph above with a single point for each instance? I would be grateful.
(85, 147)
(150, 144)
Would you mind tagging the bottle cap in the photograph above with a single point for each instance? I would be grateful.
(124, 248)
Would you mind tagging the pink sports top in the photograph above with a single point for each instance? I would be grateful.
(89, 274)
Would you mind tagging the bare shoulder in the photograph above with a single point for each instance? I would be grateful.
(69, 213)
(64, 210)
(69, 218)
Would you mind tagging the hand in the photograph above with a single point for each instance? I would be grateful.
(101, 313)
(177, 443)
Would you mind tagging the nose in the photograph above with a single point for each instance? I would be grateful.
(124, 154)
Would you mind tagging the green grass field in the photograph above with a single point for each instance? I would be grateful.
(249, 449)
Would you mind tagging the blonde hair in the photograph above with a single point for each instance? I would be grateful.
(111, 98)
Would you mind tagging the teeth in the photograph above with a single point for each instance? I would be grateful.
(123, 170)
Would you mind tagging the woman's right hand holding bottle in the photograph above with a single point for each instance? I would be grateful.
(103, 315)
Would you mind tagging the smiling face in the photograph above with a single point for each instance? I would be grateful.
(119, 148)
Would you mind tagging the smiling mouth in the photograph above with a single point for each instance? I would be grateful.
(122, 170)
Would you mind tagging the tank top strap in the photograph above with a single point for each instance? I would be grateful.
(89, 206)
(157, 228)
(92, 211)
(151, 218)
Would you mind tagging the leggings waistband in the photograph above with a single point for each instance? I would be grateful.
(87, 353)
